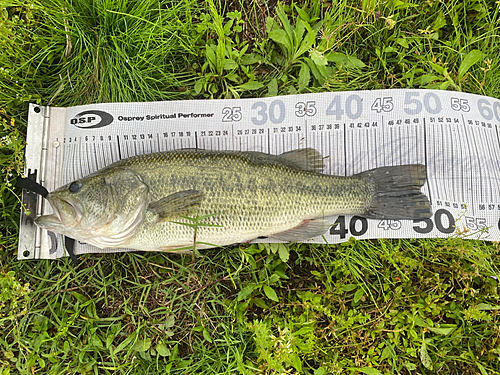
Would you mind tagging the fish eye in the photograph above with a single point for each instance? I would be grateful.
(75, 186)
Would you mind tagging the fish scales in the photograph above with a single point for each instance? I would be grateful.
(249, 199)
(247, 194)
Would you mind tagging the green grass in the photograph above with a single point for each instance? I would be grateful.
(371, 307)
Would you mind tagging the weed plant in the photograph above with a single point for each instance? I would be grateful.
(362, 307)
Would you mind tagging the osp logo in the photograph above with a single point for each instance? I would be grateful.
(92, 119)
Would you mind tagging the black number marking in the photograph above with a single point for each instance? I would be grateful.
(428, 224)
(352, 225)
(339, 227)
(439, 223)
(427, 228)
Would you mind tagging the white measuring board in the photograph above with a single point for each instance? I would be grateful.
(456, 135)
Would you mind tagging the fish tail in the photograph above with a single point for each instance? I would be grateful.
(397, 192)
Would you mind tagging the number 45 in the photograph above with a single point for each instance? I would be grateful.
(383, 104)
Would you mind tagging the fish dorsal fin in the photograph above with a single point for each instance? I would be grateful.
(176, 204)
(306, 159)
(305, 230)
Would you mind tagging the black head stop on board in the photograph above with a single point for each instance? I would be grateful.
(35, 187)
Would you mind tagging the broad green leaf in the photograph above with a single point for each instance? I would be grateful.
(174, 352)
(274, 278)
(233, 77)
(320, 371)
(210, 53)
(419, 322)
(444, 85)
(206, 335)
(445, 331)
(270, 24)
(302, 14)
(403, 42)
(285, 21)
(230, 64)
(425, 79)
(306, 44)
(272, 87)
(386, 353)
(473, 57)
(358, 295)
(346, 61)
(368, 370)
(274, 247)
(440, 21)
(299, 32)
(349, 287)
(424, 357)
(318, 58)
(66, 347)
(304, 330)
(245, 292)
(142, 345)
(279, 36)
(250, 58)
(96, 341)
(438, 68)
(260, 302)
(162, 350)
(169, 321)
(355, 62)
(410, 366)
(284, 252)
(296, 362)
(251, 85)
(80, 297)
(227, 27)
(400, 4)
(270, 293)
(487, 306)
(125, 343)
(319, 72)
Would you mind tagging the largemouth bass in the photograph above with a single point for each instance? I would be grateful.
(149, 202)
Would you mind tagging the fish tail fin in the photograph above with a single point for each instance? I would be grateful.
(397, 192)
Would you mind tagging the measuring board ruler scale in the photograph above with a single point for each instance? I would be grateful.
(455, 135)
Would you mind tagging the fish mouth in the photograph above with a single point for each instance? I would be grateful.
(66, 213)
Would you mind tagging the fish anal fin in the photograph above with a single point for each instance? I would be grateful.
(177, 204)
(304, 231)
(176, 249)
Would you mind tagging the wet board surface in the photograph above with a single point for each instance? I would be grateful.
(455, 135)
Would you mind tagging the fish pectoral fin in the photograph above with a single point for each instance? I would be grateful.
(306, 159)
(307, 229)
(177, 204)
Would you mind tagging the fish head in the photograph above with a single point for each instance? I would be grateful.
(102, 209)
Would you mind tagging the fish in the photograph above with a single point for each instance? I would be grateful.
(177, 200)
